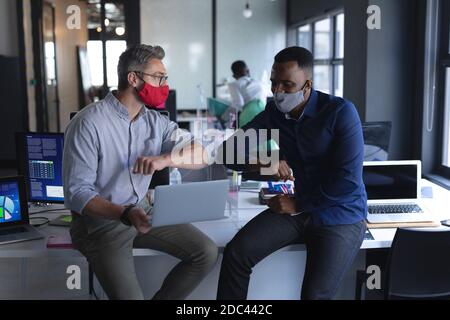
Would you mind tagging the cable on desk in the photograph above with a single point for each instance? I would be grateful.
(49, 210)
(42, 223)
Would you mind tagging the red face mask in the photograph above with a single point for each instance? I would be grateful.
(153, 96)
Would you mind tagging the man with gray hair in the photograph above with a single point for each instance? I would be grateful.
(111, 150)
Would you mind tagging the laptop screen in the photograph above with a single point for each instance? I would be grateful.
(10, 210)
(389, 182)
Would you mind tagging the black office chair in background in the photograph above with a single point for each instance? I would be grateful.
(418, 266)
(377, 136)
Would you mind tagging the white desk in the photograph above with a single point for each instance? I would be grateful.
(241, 207)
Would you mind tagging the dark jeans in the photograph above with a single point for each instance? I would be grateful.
(330, 253)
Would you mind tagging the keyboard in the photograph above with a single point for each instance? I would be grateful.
(9, 231)
(394, 208)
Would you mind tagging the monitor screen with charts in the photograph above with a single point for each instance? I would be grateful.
(10, 210)
(385, 181)
(40, 161)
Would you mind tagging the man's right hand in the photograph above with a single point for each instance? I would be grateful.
(284, 171)
(139, 220)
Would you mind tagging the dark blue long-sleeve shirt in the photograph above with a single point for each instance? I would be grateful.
(325, 149)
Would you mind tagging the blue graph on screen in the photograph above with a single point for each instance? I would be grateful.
(9, 202)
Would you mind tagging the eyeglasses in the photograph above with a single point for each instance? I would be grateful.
(162, 79)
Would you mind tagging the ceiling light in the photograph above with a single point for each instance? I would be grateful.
(120, 31)
(247, 11)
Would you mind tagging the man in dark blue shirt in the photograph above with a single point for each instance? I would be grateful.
(321, 140)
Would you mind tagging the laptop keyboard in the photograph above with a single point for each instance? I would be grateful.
(394, 208)
(9, 231)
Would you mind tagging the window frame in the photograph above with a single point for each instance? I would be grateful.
(330, 62)
(443, 64)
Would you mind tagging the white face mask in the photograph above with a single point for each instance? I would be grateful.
(286, 102)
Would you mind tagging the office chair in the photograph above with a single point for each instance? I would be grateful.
(377, 136)
(171, 105)
(418, 265)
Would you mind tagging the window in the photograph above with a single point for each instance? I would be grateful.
(50, 62)
(114, 49)
(304, 37)
(95, 57)
(444, 86)
(446, 148)
(325, 39)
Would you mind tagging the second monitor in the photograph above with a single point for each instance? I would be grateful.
(39, 158)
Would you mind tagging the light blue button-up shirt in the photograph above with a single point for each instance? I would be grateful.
(100, 150)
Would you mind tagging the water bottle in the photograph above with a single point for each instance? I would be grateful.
(175, 176)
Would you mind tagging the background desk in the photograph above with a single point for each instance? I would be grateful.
(276, 277)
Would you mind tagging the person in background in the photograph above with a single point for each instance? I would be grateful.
(112, 148)
(247, 95)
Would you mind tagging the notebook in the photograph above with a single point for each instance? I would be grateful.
(63, 241)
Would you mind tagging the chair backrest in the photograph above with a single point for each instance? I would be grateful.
(419, 265)
(216, 107)
(250, 111)
(171, 105)
(160, 178)
(377, 136)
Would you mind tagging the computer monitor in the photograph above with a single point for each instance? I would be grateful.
(39, 157)
(171, 105)
(377, 136)
(13, 206)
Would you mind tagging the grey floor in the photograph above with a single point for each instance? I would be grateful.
(45, 279)
(40, 279)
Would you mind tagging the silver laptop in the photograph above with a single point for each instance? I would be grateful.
(394, 192)
(189, 202)
(14, 221)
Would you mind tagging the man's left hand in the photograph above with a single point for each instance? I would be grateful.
(283, 204)
(148, 165)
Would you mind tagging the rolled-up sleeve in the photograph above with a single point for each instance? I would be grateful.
(80, 162)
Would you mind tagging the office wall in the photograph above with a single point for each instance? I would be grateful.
(12, 105)
(67, 64)
(390, 72)
(303, 10)
(255, 40)
(184, 30)
(8, 28)
(379, 73)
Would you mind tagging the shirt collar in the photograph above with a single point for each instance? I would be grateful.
(310, 109)
(120, 109)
